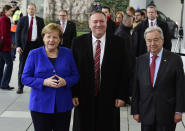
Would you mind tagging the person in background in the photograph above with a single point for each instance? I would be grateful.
(139, 43)
(96, 5)
(111, 26)
(68, 28)
(28, 37)
(159, 85)
(119, 18)
(17, 14)
(144, 14)
(124, 31)
(137, 19)
(130, 11)
(6, 64)
(50, 98)
(102, 63)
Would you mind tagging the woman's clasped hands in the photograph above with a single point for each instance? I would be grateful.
(54, 81)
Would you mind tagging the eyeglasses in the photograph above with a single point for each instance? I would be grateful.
(63, 15)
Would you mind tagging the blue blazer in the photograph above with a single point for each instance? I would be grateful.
(38, 67)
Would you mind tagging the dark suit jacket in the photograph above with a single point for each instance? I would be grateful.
(69, 34)
(21, 35)
(159, 103)
(124, 32)
(114, 81)
(138, 41)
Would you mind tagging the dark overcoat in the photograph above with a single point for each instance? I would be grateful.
(114, 84)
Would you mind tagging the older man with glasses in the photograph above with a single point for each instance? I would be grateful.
(68, 28)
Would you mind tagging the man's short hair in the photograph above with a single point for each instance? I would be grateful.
(97, 12)
(139, 11)
(153, 29)
(151, 6)
(64, 11)
(32, 4)
(106, 7)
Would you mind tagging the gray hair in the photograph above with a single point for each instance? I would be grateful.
(126, 17)
(153, 29)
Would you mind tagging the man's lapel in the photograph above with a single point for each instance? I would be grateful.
(67, 26)
(90, 48)
(146, 68)
(27, 22)
(38, 23)
(107, 50)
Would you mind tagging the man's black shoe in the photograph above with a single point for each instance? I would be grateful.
(19, 91)
(7, 88)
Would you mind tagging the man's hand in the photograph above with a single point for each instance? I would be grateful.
(19, 50)
(137, 118)
(119, 103)
(75, 101)
(177, 117)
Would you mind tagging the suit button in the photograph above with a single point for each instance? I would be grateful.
(53, 70)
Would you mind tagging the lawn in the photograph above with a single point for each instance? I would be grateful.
(81, 33)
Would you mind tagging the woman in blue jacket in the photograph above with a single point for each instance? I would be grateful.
(50, 71)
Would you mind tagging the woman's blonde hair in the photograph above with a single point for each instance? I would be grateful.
(121, 13)
(52, 27)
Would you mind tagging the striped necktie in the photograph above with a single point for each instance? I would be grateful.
(97, 67)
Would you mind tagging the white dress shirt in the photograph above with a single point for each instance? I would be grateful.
(34, 27)
(154, 22)
(102, 46)
(65, 24)
(157, 64)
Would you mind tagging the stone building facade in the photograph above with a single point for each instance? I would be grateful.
(48, 9)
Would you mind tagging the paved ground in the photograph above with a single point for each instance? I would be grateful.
(15, 116)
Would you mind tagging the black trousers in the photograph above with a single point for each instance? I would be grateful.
(22, 60)
(51, 122)
(157, 127)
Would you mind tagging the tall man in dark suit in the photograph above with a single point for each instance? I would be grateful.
(139, 45)
(28, 37)
(158, 93)
(102, 63)
(68, 27)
